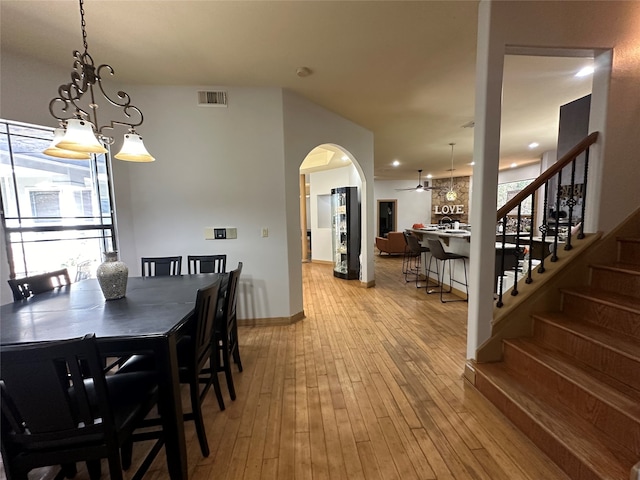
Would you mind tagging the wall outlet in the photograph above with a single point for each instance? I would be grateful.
(265, 232)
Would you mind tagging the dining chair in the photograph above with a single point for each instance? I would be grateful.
(438, 252)
(194, 354)
(207, 263)
(25, 287)
(53, 414)
(159, 266)
(226, 333)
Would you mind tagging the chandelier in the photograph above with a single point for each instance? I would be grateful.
(75, 107)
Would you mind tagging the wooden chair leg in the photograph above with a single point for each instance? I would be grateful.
(126, 454)
(194, 387)
(95, 469)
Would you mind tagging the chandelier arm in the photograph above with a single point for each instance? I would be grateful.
(70, 93)
(129, 110)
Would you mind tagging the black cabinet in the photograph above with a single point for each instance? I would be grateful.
(345, 229)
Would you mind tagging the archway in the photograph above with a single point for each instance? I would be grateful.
(325, 167)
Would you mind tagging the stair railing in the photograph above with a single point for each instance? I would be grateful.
(560, 222)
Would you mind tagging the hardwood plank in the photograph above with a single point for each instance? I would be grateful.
(367, 386)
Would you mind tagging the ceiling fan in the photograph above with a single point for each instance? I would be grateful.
(420, 187)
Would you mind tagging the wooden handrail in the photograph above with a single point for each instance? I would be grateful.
(550, 172)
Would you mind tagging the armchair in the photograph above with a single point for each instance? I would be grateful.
(392, 245)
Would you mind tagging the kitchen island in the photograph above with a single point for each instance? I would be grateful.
(458, 241)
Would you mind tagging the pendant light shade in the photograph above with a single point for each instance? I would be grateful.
(54, 151)
(79, 137)
(133, 150)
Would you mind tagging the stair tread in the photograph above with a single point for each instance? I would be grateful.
(623, 344)
(630, 268)
(594, 448)
(625, 400)
(629, 239)
(613, 299)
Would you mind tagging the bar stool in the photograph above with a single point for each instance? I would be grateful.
(414, 262)
(437, 252)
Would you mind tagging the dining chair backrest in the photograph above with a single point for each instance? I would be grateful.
(25, 287)
(207, 263)
(47, 410)
(203, 325)
(161, 266)
(57, 407)
(231, 299)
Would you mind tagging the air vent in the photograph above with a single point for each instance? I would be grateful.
(212, 99)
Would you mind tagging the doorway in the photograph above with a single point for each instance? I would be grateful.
(387, 214)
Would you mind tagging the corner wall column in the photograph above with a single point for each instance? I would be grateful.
(486, 154)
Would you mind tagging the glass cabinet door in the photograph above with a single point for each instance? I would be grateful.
(345, 230)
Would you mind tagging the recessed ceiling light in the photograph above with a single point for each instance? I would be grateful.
(395, 163)
(584, 71)
(514, 165)
(429, 176)
(534, 145)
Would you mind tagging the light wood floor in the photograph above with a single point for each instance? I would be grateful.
(368, 386)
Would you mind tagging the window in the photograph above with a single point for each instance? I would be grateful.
(56, 212)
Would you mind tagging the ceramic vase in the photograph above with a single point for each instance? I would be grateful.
(112, 276)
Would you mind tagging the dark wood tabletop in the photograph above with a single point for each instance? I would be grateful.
(147, 319)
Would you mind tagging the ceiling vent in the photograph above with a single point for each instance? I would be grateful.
(212, 99)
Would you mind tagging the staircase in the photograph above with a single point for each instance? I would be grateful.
(574, 386)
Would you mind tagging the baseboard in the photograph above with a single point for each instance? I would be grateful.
(272, 321)
(469, 372)
(322, 262)
(369, 284)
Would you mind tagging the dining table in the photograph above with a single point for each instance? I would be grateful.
(148, 320)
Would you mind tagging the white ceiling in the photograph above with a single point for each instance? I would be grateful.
(404, 70)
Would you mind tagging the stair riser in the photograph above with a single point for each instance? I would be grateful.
(629, 252)
(605, 315)
(545, 440)
(616, 281)
(544, 381)
(620, 367)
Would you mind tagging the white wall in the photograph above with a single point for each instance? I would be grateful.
(321, 183)
(307, 126)
(413, 207)
(234, 167)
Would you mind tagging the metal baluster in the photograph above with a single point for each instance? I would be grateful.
(516, 253)
(571, 202)
(554, 257)
(533, 216)
(544, 227)
(584, 193)
(501, 276)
